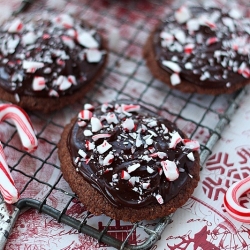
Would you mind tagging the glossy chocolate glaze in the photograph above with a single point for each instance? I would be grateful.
(49, 48)
(214, 64)
(107, 179)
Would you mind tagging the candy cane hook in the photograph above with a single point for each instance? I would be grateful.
(232, 204)
(29, 141)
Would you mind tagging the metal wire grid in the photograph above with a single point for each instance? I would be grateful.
(126, 76)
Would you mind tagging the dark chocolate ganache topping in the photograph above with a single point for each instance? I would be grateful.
(207, 47)
(48, 55)
(130, 155)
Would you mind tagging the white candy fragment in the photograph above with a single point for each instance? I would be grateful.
(188, 49)
(12, 44)
(16, 26)
(211, 40)
(105, 146)
(100, 136)
(29, 38)
(95, 124)
(133, 180)
(159, 199)
(182, 14)
(111, 118)
(175, 139)
(133, 167)
(89, 145)
(68, 41)
(235, 13)
(128, 124)
(180, 36)
(145, 185)
(191, 144)
(88, 106)
(87, 40)
(108, 159)
(193, 25)
(38, 83)
(63, 83)
(125, 175)
(64, 20)
(82, 153)
(85, 115)
(93, 55)
(172, 65)
(87, 132)
(32, 66)
(190, 156)
(170, 170)
(175, 79)
(229, 23)
(53, 92)
(150, 170)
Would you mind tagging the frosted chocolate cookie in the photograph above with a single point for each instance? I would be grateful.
(48, 61)
(201, 50)
(124, 161)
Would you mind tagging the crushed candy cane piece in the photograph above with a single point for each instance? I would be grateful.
(172, 65)
(175, 139)
(87, 40)
(105, 146)
(170, 170)
(125, 175)
(192, 144)
(128, 124)
(108, 159)
(85, 115)
(95, 124)
(133, 167)
(159, 199)
(32, 66)
(182, 14)
(100, 136)
(16, 26)
(190, 156)
(38, 83)
(93, 55)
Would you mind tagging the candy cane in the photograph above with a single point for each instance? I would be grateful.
(29, 141)
(23, 124)
(7, 186)
(232, 204)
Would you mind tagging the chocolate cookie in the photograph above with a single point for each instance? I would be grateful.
(48, 61)
(124, 161)
(201, 50)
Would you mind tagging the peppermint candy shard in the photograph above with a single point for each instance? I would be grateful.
(133, 167)
(190, 156)
(172, 65)
(175, 79)
(16, 26)
(88, 106)
(183, 14)
(82, 153)
(175, 139)
(159, 199)
(85, 115)
(32, 66)
(38, 83)
(125, 175)
(95, 124)
(104, 147)
(100, 136)
(128, 124)
(93, 55)
(191, 144)
(108, 159)
(87, 40)
(89, 145)
(170, 170)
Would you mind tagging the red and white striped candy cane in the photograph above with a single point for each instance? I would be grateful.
(23, 125)
(28, 139)
(232, 204)
(7, 186)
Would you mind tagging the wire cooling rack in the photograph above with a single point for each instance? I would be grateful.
(126, 25)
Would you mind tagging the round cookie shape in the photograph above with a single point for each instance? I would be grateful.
(48, 56)
(124, 161)
(204, 50)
